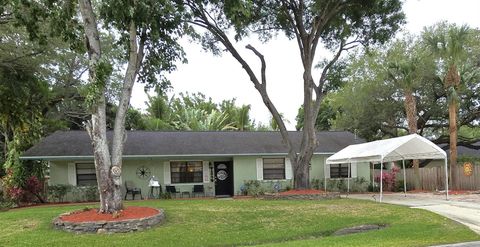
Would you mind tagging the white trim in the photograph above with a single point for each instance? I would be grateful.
(206, 172)
(288, 169)
(166, 173)
(326, 170)
(72, 174)
(259, 164)
(353, 170)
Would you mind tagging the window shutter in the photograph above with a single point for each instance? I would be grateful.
(206, 172)
(353, 169)
(72, 174)
(259, 169)
(166, 172)
(326, 169)
(288, 169)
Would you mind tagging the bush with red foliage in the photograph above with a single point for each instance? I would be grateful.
(389, 179)
(28, 191)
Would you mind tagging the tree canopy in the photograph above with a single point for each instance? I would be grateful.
(371, 100)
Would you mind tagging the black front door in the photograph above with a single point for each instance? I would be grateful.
(223, 178)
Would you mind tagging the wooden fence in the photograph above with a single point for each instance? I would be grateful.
(434, 178)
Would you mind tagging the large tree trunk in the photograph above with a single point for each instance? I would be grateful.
(108, 167)
(452, 116)
(97, 127)
(309, 137)
(452, 80)
(411, 112)
(307, 41)
(119, 134)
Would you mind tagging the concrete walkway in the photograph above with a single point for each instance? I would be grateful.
(464, 209)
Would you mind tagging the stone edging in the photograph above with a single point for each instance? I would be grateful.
(331, 195)
(109, 226)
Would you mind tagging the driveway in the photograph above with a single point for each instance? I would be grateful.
(464, 209)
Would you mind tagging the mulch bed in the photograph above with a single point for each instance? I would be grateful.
(128, 213)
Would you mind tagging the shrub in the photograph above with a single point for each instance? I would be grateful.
(58, 192)
(165, 195)
(6, 205)
(23, 182)
(289, 186)
(373, 188)
(91, 193)
(316, 184)
(341, 185)
(388, 178)
(35, 189)
(359, 184)
(15, 194)
(253, 188)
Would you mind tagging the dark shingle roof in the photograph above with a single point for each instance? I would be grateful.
(149, 143)
(463, 151)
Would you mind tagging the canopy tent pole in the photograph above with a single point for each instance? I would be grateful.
(381, 180)
(348, 179)
(404, 178)
(325, 178)
(446, 178)
(373, 175)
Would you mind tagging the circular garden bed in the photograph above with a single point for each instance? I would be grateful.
(127, 220)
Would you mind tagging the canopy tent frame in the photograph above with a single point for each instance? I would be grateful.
(394, 149)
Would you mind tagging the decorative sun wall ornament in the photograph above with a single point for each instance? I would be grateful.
(116, 171)
(143, 172)
(468, 169)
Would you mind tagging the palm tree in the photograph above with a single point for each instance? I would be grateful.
(448, 42)
(201, 120)
(405, 69)
(273, 124)
(242, 118)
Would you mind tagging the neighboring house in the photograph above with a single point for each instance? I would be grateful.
(221, 161)
(464, 154)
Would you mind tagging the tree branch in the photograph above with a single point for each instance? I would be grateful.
(262, 59)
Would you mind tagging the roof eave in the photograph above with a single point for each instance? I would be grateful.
(89, 157)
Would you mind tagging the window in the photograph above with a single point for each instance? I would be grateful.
(86, 175)
(273, 168)
(339, 171)
(186, 172)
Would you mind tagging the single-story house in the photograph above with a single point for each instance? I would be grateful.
(464, 154)
(221, 161)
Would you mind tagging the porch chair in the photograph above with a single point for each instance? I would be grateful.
(172, 190)
(198, 189)
(131, 189)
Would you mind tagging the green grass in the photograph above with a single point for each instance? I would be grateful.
(247, 222)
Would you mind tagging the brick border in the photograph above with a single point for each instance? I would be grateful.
(323, 196)
(121, 226)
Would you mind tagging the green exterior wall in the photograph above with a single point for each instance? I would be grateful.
(244, 169)
(363, 170)
(58, 172)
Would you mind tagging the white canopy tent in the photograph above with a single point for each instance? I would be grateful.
(400, 148)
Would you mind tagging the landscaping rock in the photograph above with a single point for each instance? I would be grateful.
(102, 227)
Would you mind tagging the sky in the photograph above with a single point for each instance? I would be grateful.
(222, 77)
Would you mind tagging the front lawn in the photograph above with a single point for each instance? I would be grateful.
(247, 222)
